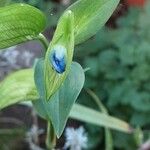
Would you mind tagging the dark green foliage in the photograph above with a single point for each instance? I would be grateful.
(120, 71)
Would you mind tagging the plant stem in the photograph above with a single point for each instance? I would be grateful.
(50, 137)
(43, 40)
(97, 101)
(108, 135)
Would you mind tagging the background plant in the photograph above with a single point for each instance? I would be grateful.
(119, 74)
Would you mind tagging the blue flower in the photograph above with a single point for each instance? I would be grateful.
(58, 58)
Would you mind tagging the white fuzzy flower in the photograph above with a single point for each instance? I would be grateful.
(76, 139)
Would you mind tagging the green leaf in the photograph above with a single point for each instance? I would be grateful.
(58, 107)
(20, 23)
(88, 115)
(39, 78)
(17, 87)
(63, 40)
(90, 16)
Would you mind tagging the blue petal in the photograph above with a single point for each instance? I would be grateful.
(58, 64)
(58, 59)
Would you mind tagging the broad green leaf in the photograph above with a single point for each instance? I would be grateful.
(58, 107)
(62, 45)
(89, 115)
(90, 16)
(17, 87)
(20, 23)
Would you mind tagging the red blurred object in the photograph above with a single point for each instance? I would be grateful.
(136, 2)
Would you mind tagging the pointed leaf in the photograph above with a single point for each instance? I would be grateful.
(60, 104)
(59, 55)
(89, 115)
(90, 16)
(17, 87)
(19, 23)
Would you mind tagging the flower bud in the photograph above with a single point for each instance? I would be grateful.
(58, 58)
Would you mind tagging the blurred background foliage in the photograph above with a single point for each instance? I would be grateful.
(119, 62)
(119, 74)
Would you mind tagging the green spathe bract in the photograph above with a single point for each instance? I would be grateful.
(90, 16)
(20, 23)
(64, 36)
(59, 106)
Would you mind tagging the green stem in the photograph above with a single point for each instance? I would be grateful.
(50, 137)
(43, 40)
(97, 101)
(108, 135)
